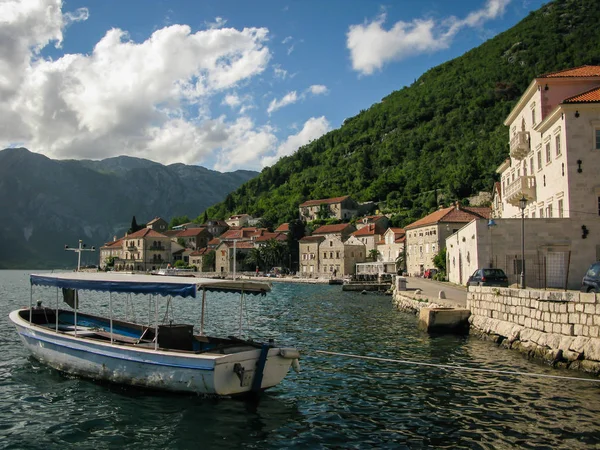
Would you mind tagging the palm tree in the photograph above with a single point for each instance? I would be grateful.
(373, 254)
(254, 258)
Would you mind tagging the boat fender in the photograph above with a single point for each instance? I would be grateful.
(296, 365)
(289, 353)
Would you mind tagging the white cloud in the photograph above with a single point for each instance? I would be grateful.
(145, 99)
(279, 72)
(313, 128)
(219, 22)
(286, 40)
(232, 100)
(288, 99)
(371, 46)
(318, 89)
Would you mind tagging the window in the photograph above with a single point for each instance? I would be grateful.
(560, 207)
(557, 145)
(531, 164)
(544, 180)
(539, 158)
(525, 168)
(548, 157)
(533, 116)
(541, 213)
(549, 211)
(598, 139)
(533, 215)
(324, 255)
(426, 248)
(432, 248)
(563, 169)
(331, 243)
(337, 255)
(599, 206)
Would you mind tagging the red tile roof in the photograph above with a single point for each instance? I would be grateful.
(144, 232)
(239, 244)
(213, 242)
(452, 214)
(200, 252)
(369, 230)
(327, 201)
(171, 233)
(190, 232)
(591, 96)
(268, 236)
(283, 228)
(327, 229)
(582, 71)
(116, 243)
(309, 239)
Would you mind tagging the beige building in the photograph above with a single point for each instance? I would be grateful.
(426, 236)
(110, 250)
(196, 258)
(341, 230)
(554, 133)
(343, 208)
(158, 224)
(370, 234)
(224, 256)
(309, 256)
(557, 258)
(193, 238)
(392, 244)
(338, 258)
(144, 250)
(238, 220)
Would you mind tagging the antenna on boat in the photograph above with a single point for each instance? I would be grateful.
(78, 250)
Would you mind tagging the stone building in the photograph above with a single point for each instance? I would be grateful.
(426, 236)
(309, 255)
(193, 238)
(339, 258)
(392, 244)
(342, 208)
(341, 230)
(158, 224)
(144, 250)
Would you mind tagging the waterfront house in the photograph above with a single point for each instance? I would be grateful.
(392, 245)
(426, 236)
(342, 208)
(144, 250)
(339, 258)
(553, 164)
(341, 230)
(224, 256)
(309, 255)
(113, 249)
(370, 234)
(196, 258)
(158, 224)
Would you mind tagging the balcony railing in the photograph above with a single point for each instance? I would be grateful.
(158, 248)
(522, 186)
(131, 248)
(519, 145)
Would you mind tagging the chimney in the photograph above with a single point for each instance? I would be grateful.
(114, 238)
(457, 206)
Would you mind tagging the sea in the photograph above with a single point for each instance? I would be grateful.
(335, 402)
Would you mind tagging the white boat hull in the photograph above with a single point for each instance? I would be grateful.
(205, 374)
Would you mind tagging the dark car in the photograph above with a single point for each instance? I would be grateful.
(591, 280)
(488, 277)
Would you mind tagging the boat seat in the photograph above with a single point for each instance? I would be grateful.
(81, 333)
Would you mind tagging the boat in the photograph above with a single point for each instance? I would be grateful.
(167, 357)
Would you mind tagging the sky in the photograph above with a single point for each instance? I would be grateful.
(225, 84)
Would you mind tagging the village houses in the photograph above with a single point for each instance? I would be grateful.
(342, 208)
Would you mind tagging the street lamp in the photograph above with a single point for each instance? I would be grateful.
(522, 205)
(491, 224)
(78, 250)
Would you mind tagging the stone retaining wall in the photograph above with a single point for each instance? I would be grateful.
(562, 327)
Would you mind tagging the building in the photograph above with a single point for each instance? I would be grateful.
(426, 236)
(554, 133)
(197, 257)
(110, 250)
(158, 224)
(193, 238)
(144, 250)
(370, 234)
(309, 255)
(216, 227)
(238, 220)
(283, 228)
(381, 221)
(391, 247)
(341, 230)
(339, 258)
(224, 256)
(342, 208)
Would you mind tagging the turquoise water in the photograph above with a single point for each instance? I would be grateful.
(333, 402)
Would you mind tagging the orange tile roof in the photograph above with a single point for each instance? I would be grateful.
(368, 230)
(200, 252)
(400, 240)
(452, 214)
(327, 201)
(283, 228)
(582, 71)
(268, 236)
(591, 96)
(190, 232)
(309, 239)
(215, 241)
(337, 228)
(116, 243)
(144, 232)
(171, 233)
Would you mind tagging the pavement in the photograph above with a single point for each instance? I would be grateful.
(455, 295)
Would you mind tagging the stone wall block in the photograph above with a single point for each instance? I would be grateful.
(587, 297)
(578, 329)
(557, 328)
(574, 318)
(591, 350)
(586, 331)
(562, 308)
(578, 344)
(594, 331)
(589, 308)
(571, 308)
(571, 296)
(527, 322)
(566, 329)
(579, 307)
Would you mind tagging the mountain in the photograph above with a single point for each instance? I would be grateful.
(440, 138)
(45, 203)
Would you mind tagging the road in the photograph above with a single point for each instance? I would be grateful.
(455, 295)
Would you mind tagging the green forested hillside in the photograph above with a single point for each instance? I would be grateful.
(442, 134)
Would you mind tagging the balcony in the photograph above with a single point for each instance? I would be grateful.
(522, 186)
(519, 145)
(157, 248)
(131, 248)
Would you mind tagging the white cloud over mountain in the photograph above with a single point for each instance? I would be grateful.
(145, 99)
(371, 46)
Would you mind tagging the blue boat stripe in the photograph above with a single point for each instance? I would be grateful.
(116, 356)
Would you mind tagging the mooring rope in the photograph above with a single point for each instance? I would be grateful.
(452, 367)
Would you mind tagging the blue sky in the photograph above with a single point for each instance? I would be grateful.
(224, 84)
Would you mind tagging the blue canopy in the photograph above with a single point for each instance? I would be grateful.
(144, 284)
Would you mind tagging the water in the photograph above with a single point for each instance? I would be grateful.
(333, 403)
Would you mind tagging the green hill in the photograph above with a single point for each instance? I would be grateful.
(443, 134)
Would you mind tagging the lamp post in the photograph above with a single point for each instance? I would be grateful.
(522, 205)
(491, 224)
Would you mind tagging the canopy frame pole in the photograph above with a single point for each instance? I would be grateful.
(156, 322)
(241, 312)
(111, 317)
(30, 303)
(149, 303)
(203, 310)
(76, 306)
(57, 309)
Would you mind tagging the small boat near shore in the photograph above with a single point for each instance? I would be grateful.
(166, 357)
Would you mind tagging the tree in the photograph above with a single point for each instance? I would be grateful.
(205, 217)
(439, 261)
(134, 226)
(323, 212)
(400, 263)
(176, 221)
(110, 261)
(208, 262)
(254, 259)
(373, 254)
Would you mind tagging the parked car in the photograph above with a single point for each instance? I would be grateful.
(488, 277)
(591, 280)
